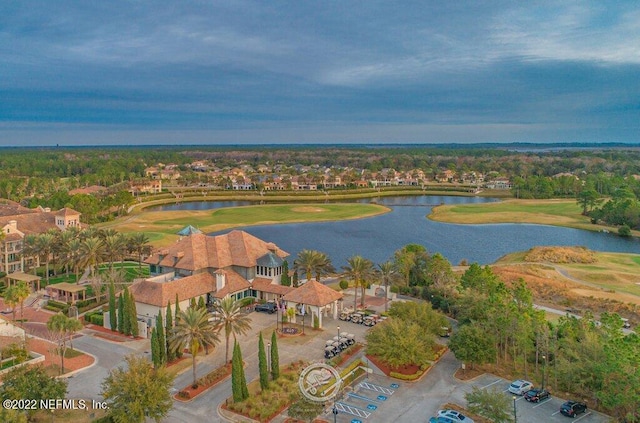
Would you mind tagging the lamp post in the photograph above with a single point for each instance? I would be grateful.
(338, 333)
(544, 366)
(515, 416)
(335, 412)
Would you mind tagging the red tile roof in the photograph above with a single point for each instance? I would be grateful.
(160, 293)
(313, 293)
(266, 285)
(200, 251)
(233, 283)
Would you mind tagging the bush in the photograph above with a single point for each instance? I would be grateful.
(406, 377)
(247, 301)
(394, 289)
(344, 284)
(184, 395)
(96, 319)
(624, 230)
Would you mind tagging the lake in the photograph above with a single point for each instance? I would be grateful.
(376, 238)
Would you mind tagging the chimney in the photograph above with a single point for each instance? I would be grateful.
(272, 247)
(221, 279)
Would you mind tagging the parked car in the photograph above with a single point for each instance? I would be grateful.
(441, 420)
(267, 307)
(625, 323)
(536, 395)
(445, 332)
(519, 387)
(573, 408)
(454, 416)
(371, 320)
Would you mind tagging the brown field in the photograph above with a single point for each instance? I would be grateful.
(585, 280)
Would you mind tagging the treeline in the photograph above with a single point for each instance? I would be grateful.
(588, 359)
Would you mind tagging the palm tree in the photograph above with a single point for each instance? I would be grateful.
(139, 243)
(194, 329)
(307, 261)
(21, 293)
(44, 248)
(114, 248)
(29, 249)
(387, 274)
(63, 248)
(359, 269)
(323, 266)
(92, 253)
(232, 320)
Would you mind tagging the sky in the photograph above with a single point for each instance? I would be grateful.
(254, 72)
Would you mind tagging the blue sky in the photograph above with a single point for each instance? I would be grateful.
(251, 72)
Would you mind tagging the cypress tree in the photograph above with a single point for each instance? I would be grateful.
(121, 312)
(179, 350)
(171, 355)
(295, 279)
(192, 303)
(126, 322)
(262, 364)
(155, 347)
(133, 315)
(201, 304)
(243, 379)
(162, 342)
(275, 359)
(236, 367)
(113, 318)
(285, 279)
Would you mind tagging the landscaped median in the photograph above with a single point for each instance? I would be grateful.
(409, 373)
(204, 383)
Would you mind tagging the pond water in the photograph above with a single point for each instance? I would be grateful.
(376, 238)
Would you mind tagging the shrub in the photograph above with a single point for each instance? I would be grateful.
(406, 377)
(624, 230)
(316, 321)
(344, 284)
(394, 289)
(184, 395)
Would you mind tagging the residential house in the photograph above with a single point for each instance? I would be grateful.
(235, 265)
(16, 222)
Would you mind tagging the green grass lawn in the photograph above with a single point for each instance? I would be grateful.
(161, 226)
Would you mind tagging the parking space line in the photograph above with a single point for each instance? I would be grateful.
(540, 403)
(519, 399)
(583, 416)
(555, 413)
(493, 383)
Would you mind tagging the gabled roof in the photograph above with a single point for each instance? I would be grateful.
(313, 293)
(233, 283)
(67, 212)
(200, 251)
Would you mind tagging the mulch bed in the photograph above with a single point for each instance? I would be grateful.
(108, 334)
(386, 369)
(194, 392)
(353, 350)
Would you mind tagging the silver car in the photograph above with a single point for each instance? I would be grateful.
(519, 387)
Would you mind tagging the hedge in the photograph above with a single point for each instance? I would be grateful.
(406, 377)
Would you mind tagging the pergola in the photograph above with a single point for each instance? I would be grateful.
(318, 298)
(67, 290)
(16, 277)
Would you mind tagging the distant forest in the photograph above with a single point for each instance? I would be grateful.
(604, 178)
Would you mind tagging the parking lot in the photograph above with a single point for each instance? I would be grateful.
(544, 411)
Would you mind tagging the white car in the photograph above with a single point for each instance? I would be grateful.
(454, 416)
(519, 387)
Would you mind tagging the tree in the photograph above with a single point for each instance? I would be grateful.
(113, 318)
(194, 329)
(57, 325)
(139, 243)
(473, 344)
(92, 253)
(138, 392)
(12, 416)
(44, 246)
(16, 294)
(410, 261)
(387, 273)
(358, 269)
(133, 315)
(32, 383)
(307, 261)
(275, 358)
(126, 315)
(398, 343)
(491, 404)
(421, 313)
(439, 273)
(588, 199)
(238, 380)
(115, 247)
(262, 364)
(121, 312)
(11, 299)
(171, 353)
(285, 279)
(155, 349)
(162, 342)
(231, 320)
(178, 349)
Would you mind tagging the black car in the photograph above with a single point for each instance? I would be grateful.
(573, 408)
(536, 395)
(267, 307)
